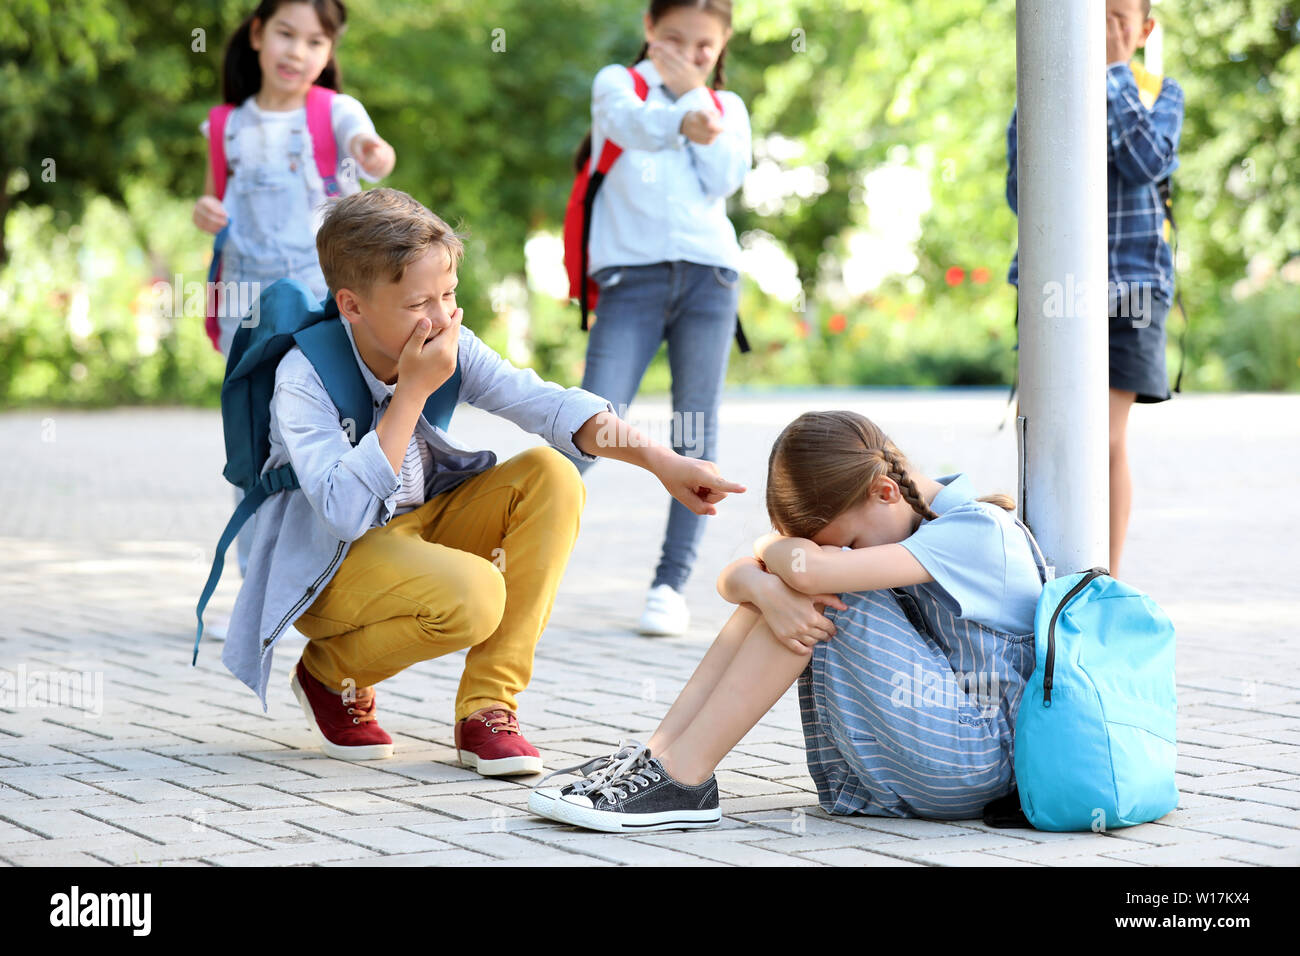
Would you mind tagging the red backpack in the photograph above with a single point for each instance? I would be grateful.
(319, 128)
(577, 218)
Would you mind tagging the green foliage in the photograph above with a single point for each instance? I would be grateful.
(86, 321)
(484, 103)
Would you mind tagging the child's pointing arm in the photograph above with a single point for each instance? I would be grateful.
(692, 481)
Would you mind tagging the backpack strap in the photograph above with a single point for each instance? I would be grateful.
(1039, 560)
(218, 117)
(324, 146)
(218, 120)
(1165, 188)
(213, 303)
(327, 347)
(609, 154)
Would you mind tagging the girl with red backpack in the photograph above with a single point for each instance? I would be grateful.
(661, 254)
(282, 145)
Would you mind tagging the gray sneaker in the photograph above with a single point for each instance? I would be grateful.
(593, 773)
(638, 795)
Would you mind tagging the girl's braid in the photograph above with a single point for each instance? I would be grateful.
(910, 493)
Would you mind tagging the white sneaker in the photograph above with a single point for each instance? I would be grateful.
(665, 613)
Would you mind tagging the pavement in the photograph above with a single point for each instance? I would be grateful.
(115, 751)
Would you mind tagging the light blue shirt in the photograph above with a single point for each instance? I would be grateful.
(302, 536)
(980, 560)
(665, 199)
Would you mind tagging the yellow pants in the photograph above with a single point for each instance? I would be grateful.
(476, 567)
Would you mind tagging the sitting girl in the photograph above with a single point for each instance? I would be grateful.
(903, 605)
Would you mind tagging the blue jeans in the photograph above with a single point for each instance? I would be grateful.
(694, 307)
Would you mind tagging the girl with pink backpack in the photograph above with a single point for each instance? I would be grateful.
(282, 145)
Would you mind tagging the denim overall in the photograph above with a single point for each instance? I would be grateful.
(271, 236)
(272, 225)
(909, 711)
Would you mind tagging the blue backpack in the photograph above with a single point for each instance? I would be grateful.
(1095, 743)
(286, 315)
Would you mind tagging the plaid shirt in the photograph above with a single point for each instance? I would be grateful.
(1141, 150)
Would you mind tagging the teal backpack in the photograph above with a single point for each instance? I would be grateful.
(1095, 742)
(286, 315)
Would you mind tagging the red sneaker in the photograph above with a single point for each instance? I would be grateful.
(347, 729)
(491, 743)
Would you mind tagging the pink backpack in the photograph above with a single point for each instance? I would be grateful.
(321, 130)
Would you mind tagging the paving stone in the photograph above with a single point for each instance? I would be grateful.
(1250, 831)
(1265, 855)
(392, 839)
(848, 839)
(856, 857)
(41, 754)
(1185, 854)
(1064, 853)
(320, 852)
(47, 781)
(436, 858)
(252, 796)
(53, 824)
(72, 859)
(40, 852)
(178, 852)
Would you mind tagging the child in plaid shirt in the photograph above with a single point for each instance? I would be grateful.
(1142, 151)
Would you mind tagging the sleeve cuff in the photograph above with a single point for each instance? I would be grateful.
(373, 468)
(696, 99)
(577, 409)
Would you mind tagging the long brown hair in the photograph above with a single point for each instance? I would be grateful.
(719, 8)
(824, 463)
(241, 76)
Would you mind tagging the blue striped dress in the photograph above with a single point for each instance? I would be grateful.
(909, 710)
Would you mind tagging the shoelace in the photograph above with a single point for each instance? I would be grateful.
(596, 770)
(363, 708)
(499, 720)
(626, 777)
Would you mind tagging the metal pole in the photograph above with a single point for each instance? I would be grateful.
(1064, 369)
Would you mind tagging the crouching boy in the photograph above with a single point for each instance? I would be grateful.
(408, 545)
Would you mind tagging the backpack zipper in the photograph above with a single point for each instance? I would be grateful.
(1050, 664)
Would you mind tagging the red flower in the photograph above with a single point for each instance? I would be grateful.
(801, 329)
(979, 275)
(838, 323)
(954, 275)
